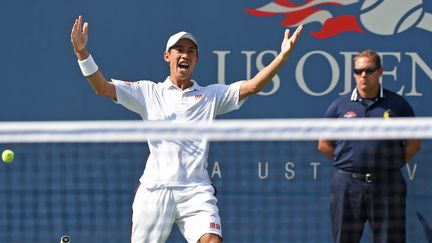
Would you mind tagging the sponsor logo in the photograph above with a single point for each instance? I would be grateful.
(380, 17)
(386, 114)
(198, 97)
(350, 114)
(215, 226)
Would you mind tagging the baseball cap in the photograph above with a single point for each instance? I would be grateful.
(178, 36)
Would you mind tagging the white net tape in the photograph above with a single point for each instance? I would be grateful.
(218, 130)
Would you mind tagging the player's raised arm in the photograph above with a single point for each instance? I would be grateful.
(79, 38)
(263, 77)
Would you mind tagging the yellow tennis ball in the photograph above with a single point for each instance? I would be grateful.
(8, 156)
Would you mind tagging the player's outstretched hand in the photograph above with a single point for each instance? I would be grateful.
(288, 42)
(79, 35)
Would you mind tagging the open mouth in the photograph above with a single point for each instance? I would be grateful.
(183, 65)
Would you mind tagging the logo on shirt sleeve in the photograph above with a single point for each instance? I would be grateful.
(215, 226)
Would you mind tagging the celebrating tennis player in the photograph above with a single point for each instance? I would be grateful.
(175, 186)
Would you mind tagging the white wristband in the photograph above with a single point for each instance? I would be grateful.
(88, 66)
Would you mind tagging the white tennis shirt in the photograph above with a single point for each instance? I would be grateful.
(174, 163)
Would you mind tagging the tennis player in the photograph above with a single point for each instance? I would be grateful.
(175, 186)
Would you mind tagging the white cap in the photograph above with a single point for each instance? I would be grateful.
(180, 35)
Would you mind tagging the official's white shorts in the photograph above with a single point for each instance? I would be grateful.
(193, 209)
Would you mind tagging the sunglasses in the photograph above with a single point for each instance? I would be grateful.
(366, 70)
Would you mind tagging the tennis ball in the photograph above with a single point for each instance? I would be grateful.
(8, 156)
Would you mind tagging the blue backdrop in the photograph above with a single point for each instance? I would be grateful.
(40, 79)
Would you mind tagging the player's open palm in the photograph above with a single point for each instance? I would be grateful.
(79, 35)
(288, 42)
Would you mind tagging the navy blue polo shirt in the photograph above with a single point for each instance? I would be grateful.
(369, 156)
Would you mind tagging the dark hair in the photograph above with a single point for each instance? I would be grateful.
(369, 54)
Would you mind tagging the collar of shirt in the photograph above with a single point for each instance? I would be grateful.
(170, 85)
(355, 96)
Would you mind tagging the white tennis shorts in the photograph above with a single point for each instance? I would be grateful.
(193, 209)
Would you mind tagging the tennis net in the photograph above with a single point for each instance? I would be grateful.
(78, 178)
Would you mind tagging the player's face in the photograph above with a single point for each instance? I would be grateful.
(367, 77)
(182, 58)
